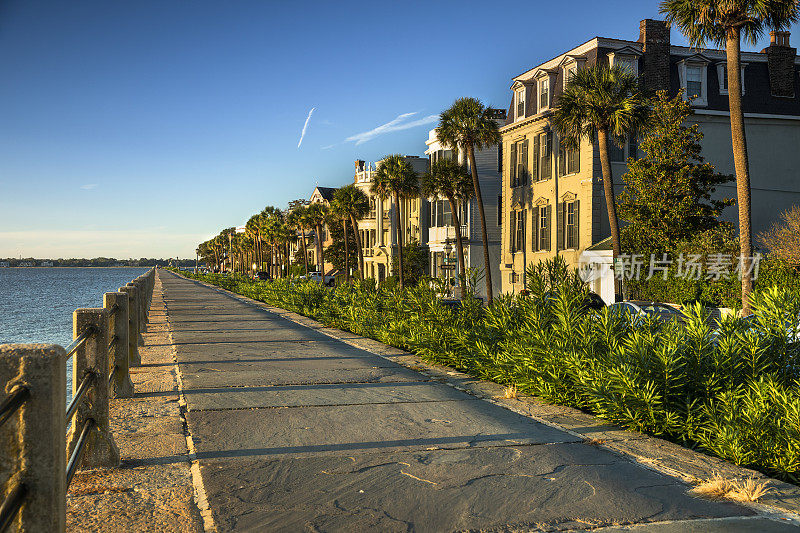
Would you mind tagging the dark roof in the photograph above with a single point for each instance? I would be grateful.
(327, 192)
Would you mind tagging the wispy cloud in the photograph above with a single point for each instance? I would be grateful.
(402, 122)
(329, 146)
(305, 127)
(89, 186)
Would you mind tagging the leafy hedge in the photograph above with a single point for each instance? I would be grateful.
(732, 393)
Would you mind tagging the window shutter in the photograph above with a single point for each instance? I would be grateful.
(535, 158)
(560, 226)
(499, 158)
(577, 227)
(499, 212)
(524, 224)
(512, 231)
(548, 227)
(535, 232)
(562, 160)
(512, 167)
(524, 176)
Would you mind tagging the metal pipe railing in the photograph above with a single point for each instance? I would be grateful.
(34, 497)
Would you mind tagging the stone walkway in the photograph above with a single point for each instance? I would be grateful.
(293, 430)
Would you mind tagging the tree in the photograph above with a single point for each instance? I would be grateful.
(465, 126)
(335, 253)
(667, 196)
(297, 220)
(397, 179)
(449, 179)
(355, 204)
(725, 22)
(783, 238)
(315, 215)
(338, 214)
(415, 262)
(606, 102)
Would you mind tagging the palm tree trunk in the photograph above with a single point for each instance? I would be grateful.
(346, 252)
(484, 236)
(354, 223)
(611, 202)
(740, 162)
(320, 252)
(305, 253)
(459, 242)
(399, 238)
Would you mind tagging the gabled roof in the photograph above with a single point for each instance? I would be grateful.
(326, 192)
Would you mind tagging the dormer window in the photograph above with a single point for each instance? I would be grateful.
(627, 59)
(544, 93)
(693, 74)
(519, 96)
(722, 76)
(570, 72)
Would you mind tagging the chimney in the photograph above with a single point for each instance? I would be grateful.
(780, 62)
(654, 36)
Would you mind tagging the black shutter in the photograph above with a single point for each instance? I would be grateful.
(499, 158)
(562, 159)
(560, 220)
(512, 231)
(633, 146)
(499, 211)
(512, 167)
(535, 172)
(548, 226)
(575, 159)
(577, 226)
(535, 232)
(524, 224)
(524, 176)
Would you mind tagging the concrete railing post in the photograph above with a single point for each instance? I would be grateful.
(92, 356)
(32, 444)
(122, 387)
(139, 299)
(133, 325)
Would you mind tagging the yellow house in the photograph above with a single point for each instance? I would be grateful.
(377, 232)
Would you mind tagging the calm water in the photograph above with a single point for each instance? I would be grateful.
(36, 304)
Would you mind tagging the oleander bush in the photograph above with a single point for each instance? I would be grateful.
(730, 389)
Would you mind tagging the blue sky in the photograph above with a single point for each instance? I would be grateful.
(133, 129)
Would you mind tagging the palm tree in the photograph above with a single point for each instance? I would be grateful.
(396, 179)
(337, 214)
(355, 204)
(253, 229)
(296, 220)
(453, 181)
(725, 23)
(603, 101)
(315, 214)
(465, 126)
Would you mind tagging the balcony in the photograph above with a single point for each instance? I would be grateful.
(446, 233)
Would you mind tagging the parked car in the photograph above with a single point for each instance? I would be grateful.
(637, 311)
(263, 275)
(317, 276)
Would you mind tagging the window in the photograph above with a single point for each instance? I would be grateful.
(441, 215)
(569, 221)
(628, 63)
(517, 230)
(544, 166)
(544, 93)
(722, 77)
(499, 211)
(616, 153)
(542, 232)
(520, 97)
(570, 72)
(569, 160)
(519, 163)
(694, 81)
